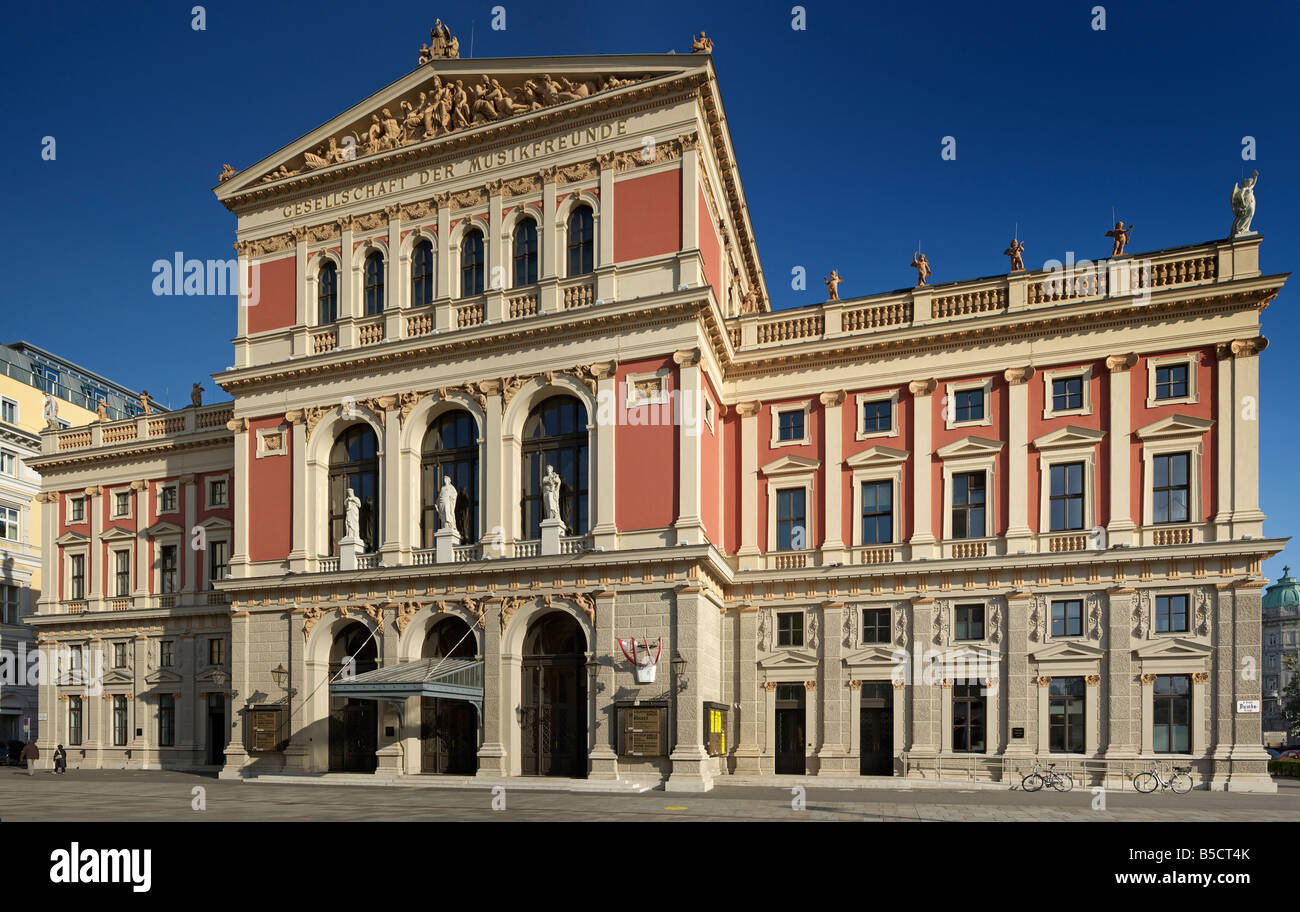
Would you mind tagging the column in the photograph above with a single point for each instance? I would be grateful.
(927, 712)
(236, 755)
(95, 554)
(1223, 432)
(833, 489)
(835, 741)
(497, 278)
(492, 760)
(393, 549)
(1092, 715)
(298, 756)
(944, 690)
(690, 762)
(750, 695)
(604, 761)
(923, 541)
(494, 517)
(191, 561)
(1041, 707)
(351, 305)
(1117, 665)
(549, 265)
(191, 705)
(444, 315)
(767, 763)
(606, 275)
(605, 528)
(689, 525)
(143, 583)
(812, 728)
(1021, 703)
(1120, 530)
(1239, 762)
(52, 578)
(1243, 415)
(299, 546)
(396, 291)
(691, 274)
(302, 312)
(239, 546)
(749, 555)
(1018, 480)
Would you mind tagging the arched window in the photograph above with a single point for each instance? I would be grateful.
(449, 638)
(471, 264)
(354, 463)
(525, 252)
(450, 451)
(374, 283)
(422, 277)
(327, 292)
(581, 241)
(555, 434)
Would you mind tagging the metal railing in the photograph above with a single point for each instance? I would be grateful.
(1087, 772)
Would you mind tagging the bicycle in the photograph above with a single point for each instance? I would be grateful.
(1180, 782)
(1036, 779)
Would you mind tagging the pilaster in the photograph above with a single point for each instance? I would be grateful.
(1120, 530)
(689, 525)
(833, 549)
(923, 540)
(1018, 531)
(239, 564)
(603, 759)
(605, 528)
(690, 763)
(749, 554)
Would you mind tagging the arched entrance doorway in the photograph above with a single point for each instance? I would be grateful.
(354, 724)
(448, 728)
(554, 708)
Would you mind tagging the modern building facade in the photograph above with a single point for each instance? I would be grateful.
(1281, 624)
(957, 527)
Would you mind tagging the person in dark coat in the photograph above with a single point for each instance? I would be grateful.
(60, 760)
(31, 754)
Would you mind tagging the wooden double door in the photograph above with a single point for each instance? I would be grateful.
(554, 717)
(791, 725)
(354, 736)
(876, 729)
(448, 737)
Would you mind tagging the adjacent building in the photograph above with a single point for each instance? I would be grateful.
(511, 394)
(1281, 624)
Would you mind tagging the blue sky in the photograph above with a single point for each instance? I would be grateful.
(837, 129)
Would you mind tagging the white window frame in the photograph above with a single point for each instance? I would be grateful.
(70, 551)
(1192, 442)
(1066, 373)
(11, 457)
(953, 388)
(954, 465)
(224, 537)
(778, 410)
(1050, 454)
(112, 570)
(951, 619)
(159, 541)
(4, 401)
(776, 627)
(18, 523)
(158, 493)
(861, 399)
(207, 492)
(69, 499)
(1082, 637)
(877, 464)
(708, 410)
(1192, 360)
(18, 590)
(785, 475)
(1156, 633)
(112, 503)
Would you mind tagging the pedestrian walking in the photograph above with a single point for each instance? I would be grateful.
(31, 754)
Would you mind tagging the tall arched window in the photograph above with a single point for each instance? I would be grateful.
(327, 292)
(471, 264)
(555, 434)
(582, 242)
(374, 279)
(450, 451)
(354, 463)
(422, 277)
(525, 252)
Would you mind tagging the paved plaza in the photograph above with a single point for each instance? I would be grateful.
(136, 795)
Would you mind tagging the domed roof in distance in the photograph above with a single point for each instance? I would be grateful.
(1284, 592)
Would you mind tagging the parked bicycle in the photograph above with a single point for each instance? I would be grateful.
(1037, 778)
(1180, 782)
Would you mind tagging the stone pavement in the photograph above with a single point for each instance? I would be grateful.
(135, 795)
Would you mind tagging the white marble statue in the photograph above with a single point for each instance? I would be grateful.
(447, 495)
(551, 494)
(351, 515)
(1243, 206)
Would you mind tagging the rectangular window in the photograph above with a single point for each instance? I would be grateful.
(970, 405)
(969, 622)
(8, 462)
(218, 561)
(875, 625)
(119, 655)
(968, 504)
(216, 651)
(877, 417)
(1065, 715)
(1067, 497)
(121, 503)
(74, 719)
(877, 512)
(1172, 713)
(790, 425)
(9, 523)
(1067, 394)
(9, 604)
(74, 658)
(789, 628)
(167, 502)
(167, 568)
(1171, 614)
(1067, 618)
(122, 573)
(217, 492)
(166, 720)
(119, 721)
(1171, 491)
(969, 711)
(791, 531)
(1171, 381)
(77, 509)
(8, 411)
(166, 654)
(78, 574)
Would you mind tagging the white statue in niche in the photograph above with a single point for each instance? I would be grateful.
(447, 495)
(351, 514)
(551, 493)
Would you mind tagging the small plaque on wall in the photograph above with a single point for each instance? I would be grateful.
(264, 724)
(643, 730)
(1017, 732)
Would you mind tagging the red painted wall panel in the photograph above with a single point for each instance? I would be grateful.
(814, 449)
(1098, 420)
(710, 249)
(270, 487)
(1205, 407)
(851, 420)
(711, 467)
(646, 482)
(647, 216)
(997, 429)
(276, 284)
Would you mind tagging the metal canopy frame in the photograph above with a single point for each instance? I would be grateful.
(450, 679)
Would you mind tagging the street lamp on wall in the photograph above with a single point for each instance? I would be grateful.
(279, 675)
(679, 671)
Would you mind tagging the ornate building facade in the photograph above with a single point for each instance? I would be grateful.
(960, 527)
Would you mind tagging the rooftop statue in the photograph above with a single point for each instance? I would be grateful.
(1243, 206)
(702, 44)
(922, 267)
(1014, 251)
(1120, 233)
(833, 286)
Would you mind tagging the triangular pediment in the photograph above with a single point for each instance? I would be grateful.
(72, 538)
(971, 446)
(1069, 436)
(1174, 426)
(116, 676)
(873, 657)
(790, 465)
(518, 93)
(1068, 651)
(215, 522)
(116, 533)
(877, 456)
(788, 659)
(1173, 648)
(162, 676)
(164, 528)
